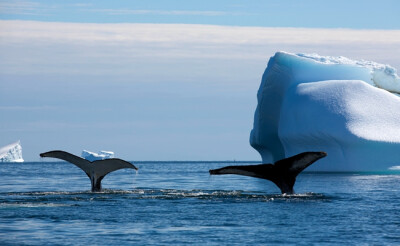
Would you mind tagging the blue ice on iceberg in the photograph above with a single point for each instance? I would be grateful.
(349, 109)
(11, 153)
(92, 156)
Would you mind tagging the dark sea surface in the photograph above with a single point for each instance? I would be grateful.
(179, 203)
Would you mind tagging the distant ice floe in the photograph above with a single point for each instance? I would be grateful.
(92, 156)
(11, 153)
(349, 109)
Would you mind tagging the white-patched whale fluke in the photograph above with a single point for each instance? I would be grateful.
(282, 173)
(95, 170)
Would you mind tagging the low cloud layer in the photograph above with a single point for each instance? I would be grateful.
(28, 46)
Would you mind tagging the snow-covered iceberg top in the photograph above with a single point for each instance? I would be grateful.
(381, 76)
(92, 156)
(349, 109)
(11, 153)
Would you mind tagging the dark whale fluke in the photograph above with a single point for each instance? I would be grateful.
(95, 170)
(283, 173)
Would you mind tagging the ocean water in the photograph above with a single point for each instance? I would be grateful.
(179, 203)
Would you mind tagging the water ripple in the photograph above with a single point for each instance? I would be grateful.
(39, 198)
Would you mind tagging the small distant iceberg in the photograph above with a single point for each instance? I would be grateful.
(92, 156)
(11, 153)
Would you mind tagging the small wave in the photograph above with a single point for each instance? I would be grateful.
(154, 194)
(31, 205)
(45, 193)
(225, 195)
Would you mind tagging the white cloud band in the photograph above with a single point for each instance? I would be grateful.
(28, 45)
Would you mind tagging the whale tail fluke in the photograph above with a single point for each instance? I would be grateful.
(282, 173)
(95, 170)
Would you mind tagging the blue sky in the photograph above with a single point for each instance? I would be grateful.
(164, 80)
(360, 14)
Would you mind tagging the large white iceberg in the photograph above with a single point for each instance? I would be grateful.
(92, 156)
(11, 153)
(349, 109)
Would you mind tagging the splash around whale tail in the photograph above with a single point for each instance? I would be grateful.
(95, 170)
(282, 173)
